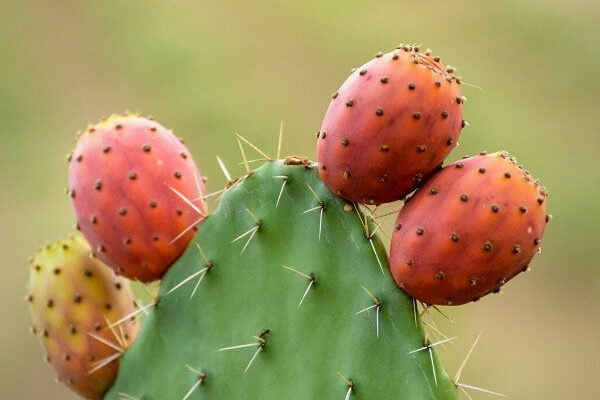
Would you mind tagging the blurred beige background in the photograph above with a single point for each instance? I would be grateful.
(210, 69)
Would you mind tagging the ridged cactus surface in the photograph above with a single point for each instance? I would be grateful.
(298, 245)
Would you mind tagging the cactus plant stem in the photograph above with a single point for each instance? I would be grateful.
(247, 292)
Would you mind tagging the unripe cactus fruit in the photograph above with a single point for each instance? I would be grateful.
(72, 299)
(472, 227)
(390, 125)
(136, 193)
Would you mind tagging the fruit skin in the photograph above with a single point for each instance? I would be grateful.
(120, 175)
(70, 295)
(390, 124)
(472, 227)
(245, 293)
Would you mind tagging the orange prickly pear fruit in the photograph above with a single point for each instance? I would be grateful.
(470, 229)
(392, 122)
(136, 193)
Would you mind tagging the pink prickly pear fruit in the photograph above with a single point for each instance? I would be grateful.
(136, 193)
(390, 124)
(470, 229)
(72, 298)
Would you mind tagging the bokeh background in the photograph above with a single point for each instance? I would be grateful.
(209, 69)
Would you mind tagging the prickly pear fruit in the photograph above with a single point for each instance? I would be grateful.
(136, 193)
(472, 227)
(72, 298)
(389, 125)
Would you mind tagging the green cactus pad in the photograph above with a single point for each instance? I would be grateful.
(311, 351)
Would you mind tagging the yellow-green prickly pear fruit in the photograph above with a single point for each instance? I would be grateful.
(73, 298)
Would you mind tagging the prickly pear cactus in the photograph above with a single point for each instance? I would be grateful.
(282, 295)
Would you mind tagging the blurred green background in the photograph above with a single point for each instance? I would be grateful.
(210, 69)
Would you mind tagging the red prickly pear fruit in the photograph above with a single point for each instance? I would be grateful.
(71, 297)
(471, 228)
(390, 124)
(136, 193)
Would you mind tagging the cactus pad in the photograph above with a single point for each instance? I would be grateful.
(277, 312)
